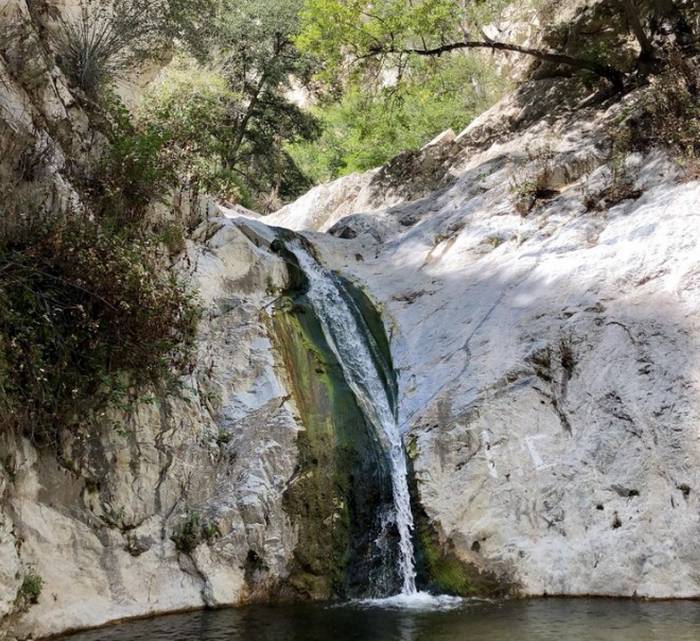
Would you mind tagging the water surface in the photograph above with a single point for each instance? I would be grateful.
(533, 620)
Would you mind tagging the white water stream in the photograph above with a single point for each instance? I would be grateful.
(347, 336)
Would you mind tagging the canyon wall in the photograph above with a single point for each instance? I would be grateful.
(547, 352)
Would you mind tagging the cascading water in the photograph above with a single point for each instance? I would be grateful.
(350, 341)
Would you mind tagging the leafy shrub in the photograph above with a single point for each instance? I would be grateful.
(671, 113)
(29, 591)
(135, 169)
(192, 113)
(365, 129)
(193, 532)
(172, 235)
(88, 315)
(223, 140)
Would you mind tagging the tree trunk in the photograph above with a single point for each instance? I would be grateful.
(647, 51)
(242, 127)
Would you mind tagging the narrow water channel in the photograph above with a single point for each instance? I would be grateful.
(350, 340)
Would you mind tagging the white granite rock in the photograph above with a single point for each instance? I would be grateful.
(549, 364)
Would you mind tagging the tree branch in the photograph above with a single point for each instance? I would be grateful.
(614, 76)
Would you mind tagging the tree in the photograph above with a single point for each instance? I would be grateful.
(367, 126)
(395, 30)
(260, 62)
(229, 118)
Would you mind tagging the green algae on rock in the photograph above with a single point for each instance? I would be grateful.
(342, 484)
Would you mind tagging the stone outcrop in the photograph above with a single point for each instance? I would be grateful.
(42, 127)
(98, 522)
(547, 349)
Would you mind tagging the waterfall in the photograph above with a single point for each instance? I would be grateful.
(349, 339)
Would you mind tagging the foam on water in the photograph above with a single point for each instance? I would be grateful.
(420, 601)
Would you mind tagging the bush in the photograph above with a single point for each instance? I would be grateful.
(193, 532)
(671, 115)
(192, 113)
(534, 184)
(135, 169)
(200, 117)
(668, 114)
(172, 235)
(365, 129)
(88, 316)
(29, 592)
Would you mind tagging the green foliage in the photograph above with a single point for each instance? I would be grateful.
(223, 135)
(194, 531)
(260, 62)
(257, 37)
(136, 168)
(361, 37)
(172, 235)
(88, 315)
(226, 129)
(192, 112)
(364, 129)
(666, 114)
(338, 31)
(29, 591)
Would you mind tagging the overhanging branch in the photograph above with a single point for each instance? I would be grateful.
(614, 76)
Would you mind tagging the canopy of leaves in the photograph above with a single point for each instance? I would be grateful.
(254, 41)
(225, 136)
(193, 112)
(370, 35)
(365, 128)
(339, 31)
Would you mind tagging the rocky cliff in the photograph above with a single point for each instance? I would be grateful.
(546, 344)
(542, 316)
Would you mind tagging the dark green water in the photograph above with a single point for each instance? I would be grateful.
(535, 620)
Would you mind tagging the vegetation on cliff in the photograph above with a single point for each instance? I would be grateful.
(315, 89)
(89, 319)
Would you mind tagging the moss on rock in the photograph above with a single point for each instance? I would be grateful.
(442, 571)
(439, 567)
(342, 484)
(369, 317)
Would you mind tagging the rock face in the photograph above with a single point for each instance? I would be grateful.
(42, 128)
(548, 359)
(98, 527)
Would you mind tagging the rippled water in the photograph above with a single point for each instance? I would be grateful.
(535, 620)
